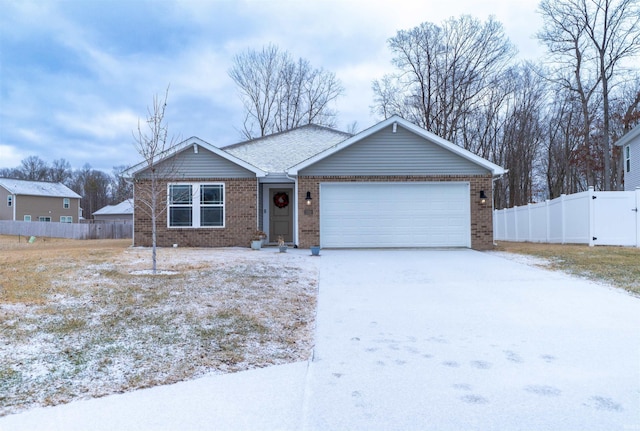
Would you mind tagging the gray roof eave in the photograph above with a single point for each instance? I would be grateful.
(630, 136)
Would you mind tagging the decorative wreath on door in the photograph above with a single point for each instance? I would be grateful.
(281, 199)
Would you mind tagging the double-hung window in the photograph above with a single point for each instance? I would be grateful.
(10, 200)
(180, 205)
(66, 219)
(212, 205)
(66, 203)
(196, 205)
(627, 159)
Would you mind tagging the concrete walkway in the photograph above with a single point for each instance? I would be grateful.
(416, 340)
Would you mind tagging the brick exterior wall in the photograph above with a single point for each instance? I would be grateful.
(481, 214)
(240, 218)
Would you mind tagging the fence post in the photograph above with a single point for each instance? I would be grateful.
(506, 224)
(637, 217)
(548, 219)
(515, 222)
(592, 224)
(529, 221)
(563, 221)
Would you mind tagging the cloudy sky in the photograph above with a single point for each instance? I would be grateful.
(76, 75)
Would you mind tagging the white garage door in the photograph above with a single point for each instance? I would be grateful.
(395, 215)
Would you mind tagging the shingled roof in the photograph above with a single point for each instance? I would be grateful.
(37, 188)
(280, 151)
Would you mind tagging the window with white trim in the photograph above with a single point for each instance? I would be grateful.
(627, 159)
(196, 205)
(65, 203)
(66, 219)
(10, 200)
(27, 218)
(44, 218)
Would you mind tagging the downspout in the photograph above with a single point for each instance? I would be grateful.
(259, 216)
(493, 204)
(133, 221)
(14, 202)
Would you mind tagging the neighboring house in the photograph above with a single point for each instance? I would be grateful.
(121, 213)
(392, 185)
(38, 201)
(630, 144)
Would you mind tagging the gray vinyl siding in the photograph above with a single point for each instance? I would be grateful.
(400, 153)
(203, 164)
(632, 178)
(46, 206)
(6, 212)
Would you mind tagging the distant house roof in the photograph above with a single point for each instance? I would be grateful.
(37, 188)
(123, 208)
(280, 151)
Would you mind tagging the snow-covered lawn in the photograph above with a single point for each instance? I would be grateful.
(94, 322)
(615, 266)
(414, 339)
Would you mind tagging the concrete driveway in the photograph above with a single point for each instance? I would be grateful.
(417, 340)
(457, 339)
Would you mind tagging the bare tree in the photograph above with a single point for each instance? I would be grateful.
(521, 135)
(592, 38)
(10, 173)
(34, 169)
(60, 171)
(613, 28)
(152, 143)
(564, 34)
(445, 73)
(121, 188)
(353, 128)
(280, 93)
(93, 186)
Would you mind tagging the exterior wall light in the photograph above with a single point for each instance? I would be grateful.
(308, 198)
(483, 197)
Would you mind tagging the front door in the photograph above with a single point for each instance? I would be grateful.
(281, 214)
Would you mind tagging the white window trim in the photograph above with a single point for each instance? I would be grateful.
(66, 203)
(66, 219)
(26, 217)
(44, 219)
(10, 201)
(195, 205)
(627, 159)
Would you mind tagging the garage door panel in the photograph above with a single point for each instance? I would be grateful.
(395, 215)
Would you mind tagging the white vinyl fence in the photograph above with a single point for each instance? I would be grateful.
(67, 230)
(594, 218)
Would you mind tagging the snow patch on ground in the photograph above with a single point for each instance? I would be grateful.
(522, 258)
(150, 272)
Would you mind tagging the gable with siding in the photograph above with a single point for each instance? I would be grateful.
(389, 153)
(206, 164)
(195, 161)
(632, 177)
(631, 143)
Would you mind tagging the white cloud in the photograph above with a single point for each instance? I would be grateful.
(101, 125)
(104, 78)
(10, 156)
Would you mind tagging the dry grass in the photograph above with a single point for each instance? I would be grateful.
(76, 321)
(618, 266)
